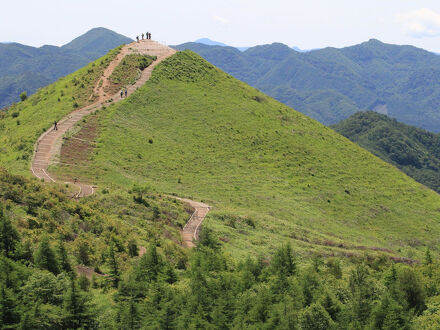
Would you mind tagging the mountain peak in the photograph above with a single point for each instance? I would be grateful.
(210, 42)
(98, 38)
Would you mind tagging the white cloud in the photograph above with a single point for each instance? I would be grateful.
(420, 23)
(220, 19)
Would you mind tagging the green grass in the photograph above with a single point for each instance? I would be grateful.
(196, 131)
(24, 122)
(128, 71)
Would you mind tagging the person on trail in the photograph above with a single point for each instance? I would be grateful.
(149, 35)
(142, 36)
(126, 92)
(137, 38)
(55, 126)
(122, 94)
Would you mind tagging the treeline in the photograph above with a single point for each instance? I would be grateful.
(214, 292)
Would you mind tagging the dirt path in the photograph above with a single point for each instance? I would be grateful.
(48, 146)
(192, 228)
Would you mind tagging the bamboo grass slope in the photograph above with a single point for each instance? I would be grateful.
(271, 173)
(48, 145)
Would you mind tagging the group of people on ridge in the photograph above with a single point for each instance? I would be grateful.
(147, 36)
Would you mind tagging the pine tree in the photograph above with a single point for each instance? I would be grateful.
(84, 282)
(9, 237)
(63, 259)
(149, 266)
(129, 318)
(133, 250)
(411, 289)
(114, 268)
(76, 308)
(45, 257)
(315, 317)
(283, 262)
(8, 303)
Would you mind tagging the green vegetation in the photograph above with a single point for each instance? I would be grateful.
(415, 151)
(24, 122)
(209, 290)
(331, 84)
(307, 230)
(128, 71)
(25, 68)
(46, 239)
(271, 174)
(23, 96)
(46, 215)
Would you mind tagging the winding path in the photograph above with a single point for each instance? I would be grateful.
(48, 147)
(191, 230)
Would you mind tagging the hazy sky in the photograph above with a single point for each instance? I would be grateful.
(307, 23)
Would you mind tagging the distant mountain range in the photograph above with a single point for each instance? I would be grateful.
(25, 68)
(327, 84)
(414, 150)
(209, 42)
(331, 84)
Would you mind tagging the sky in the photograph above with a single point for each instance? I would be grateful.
(305, 24)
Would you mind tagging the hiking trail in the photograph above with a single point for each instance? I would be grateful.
(48, 146)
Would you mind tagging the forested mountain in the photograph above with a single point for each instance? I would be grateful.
(414, 150)
(331, 84)
(25, 68)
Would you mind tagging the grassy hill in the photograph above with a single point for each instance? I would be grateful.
(24, 122)
(273, 176)
(271, 173)
(414, 150)
(331, 84)
(25, 68)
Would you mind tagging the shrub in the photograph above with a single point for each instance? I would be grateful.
(23, 96)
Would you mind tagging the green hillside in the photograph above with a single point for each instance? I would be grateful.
(271, 173)
(46, 238)
(415, 151)
(25, 68)
(23, 123)
(331, 84)
(274, 177)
